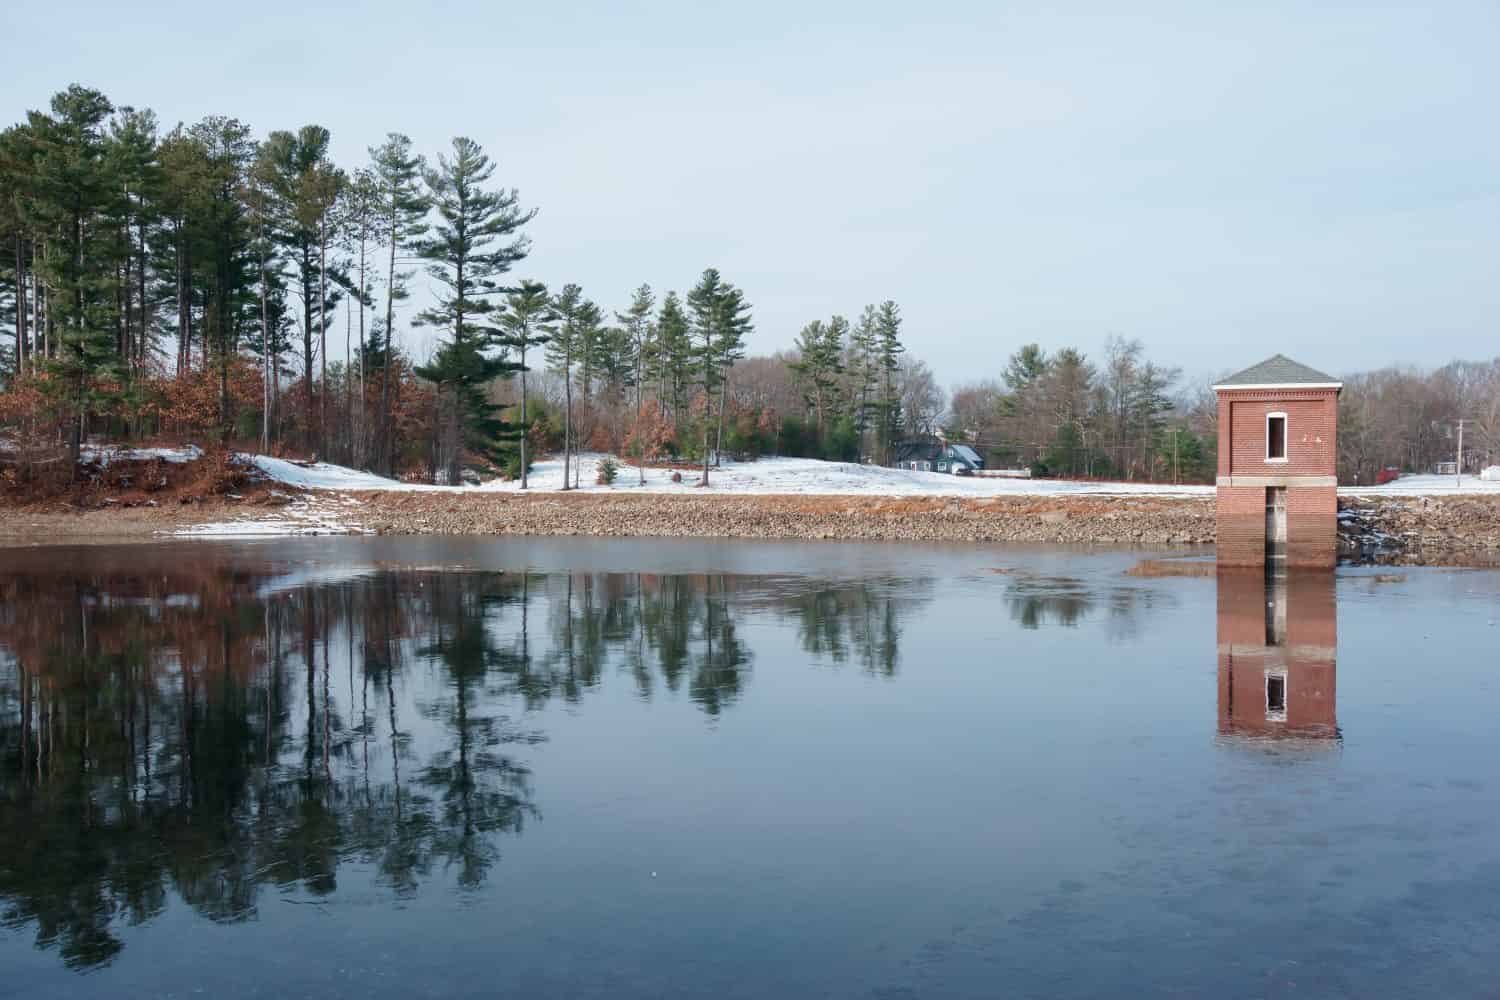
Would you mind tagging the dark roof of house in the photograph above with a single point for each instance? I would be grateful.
(968, 454)
(1278, 370)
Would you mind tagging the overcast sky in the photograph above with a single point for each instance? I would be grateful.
(1221, 182)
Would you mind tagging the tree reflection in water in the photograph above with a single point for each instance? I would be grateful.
(216, 731)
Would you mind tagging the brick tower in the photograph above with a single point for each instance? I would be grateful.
(1278, 467)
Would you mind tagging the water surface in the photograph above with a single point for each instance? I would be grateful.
(396, 767)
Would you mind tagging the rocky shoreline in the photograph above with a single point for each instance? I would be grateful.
(1391, 530)
(1080, 520)
(1421, 530)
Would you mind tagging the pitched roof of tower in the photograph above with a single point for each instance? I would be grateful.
(1279, 370)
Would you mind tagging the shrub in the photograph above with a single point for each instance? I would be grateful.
(512, 467)
(608, 470)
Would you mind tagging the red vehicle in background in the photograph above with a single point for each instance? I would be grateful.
(1386, 475)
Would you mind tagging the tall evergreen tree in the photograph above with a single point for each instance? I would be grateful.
(888, 327)
(16, 246)
(587, 335)
(704, 309)
(72, 188)
(359, 224)
(227, 262)
(674, 354)
(864, 369)
(476, 240)
(398, 175)
(818, 367)
(132, 156)
(732, 326)
(637, 324)
(571, 311)
(526, 324)
(306, 183)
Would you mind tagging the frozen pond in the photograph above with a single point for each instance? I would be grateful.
(586, 768)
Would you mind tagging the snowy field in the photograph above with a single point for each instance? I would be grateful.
(782, 476)
(1413, 486)
(805, 476)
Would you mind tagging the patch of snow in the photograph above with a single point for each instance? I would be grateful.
(326, 476)
(103, 456)
(1491, 474)
(321, 513)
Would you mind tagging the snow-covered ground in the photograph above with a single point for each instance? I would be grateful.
(808, 476)
(326, 476)
(324, 512)
(1409, 486)
(109, 453)
(766, 476)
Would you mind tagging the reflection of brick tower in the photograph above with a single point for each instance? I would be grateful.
(1278, 466)
(1277, 642)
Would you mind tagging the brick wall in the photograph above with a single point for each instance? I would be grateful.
(1312, 527)
(1240, 526)
(1312, 432)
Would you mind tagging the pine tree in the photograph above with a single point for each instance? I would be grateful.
(360, 225)
(476, 240)
(526, 324)
(674, 354)
(265, 215)
(888, 329)
(638, 326)
(72, 188)
(307, 185)
(705, 312)
(587, 331)
(398, 174)
(733, 325)
(179, 238)
(462, 372)
(15, 238)
(132, 155)
(571, 311)
(226, 264)
(863, 366)
(819, 366)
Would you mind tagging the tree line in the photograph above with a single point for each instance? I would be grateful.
(190, 281)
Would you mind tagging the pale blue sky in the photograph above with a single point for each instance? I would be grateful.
(1318, 179)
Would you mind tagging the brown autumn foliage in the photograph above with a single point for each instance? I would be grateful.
(651, 432)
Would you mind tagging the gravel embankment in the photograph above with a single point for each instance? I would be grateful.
(1094, 520)
(1404, 530)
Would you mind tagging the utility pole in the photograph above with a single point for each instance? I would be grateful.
(1458, 471)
